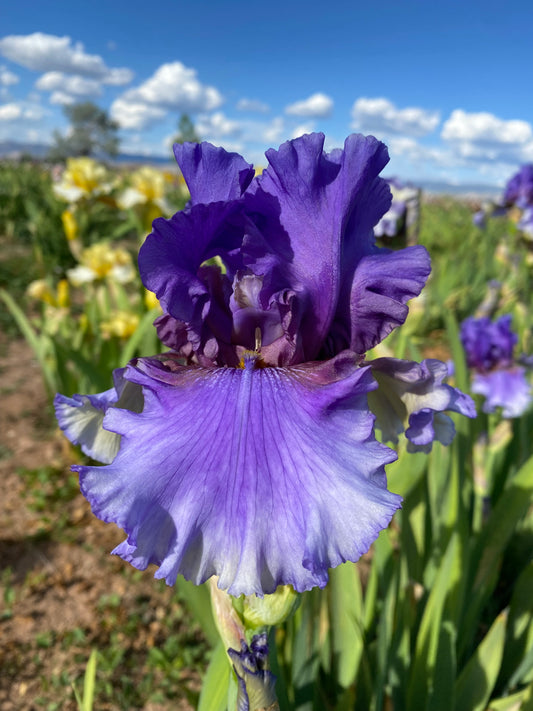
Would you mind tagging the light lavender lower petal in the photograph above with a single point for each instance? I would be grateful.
(409, 396)
(261, 476)
(507, 388)
(81, 417)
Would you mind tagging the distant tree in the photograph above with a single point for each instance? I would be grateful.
(91, 133)
(187, 132)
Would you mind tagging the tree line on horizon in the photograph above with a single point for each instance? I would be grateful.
(93, 133)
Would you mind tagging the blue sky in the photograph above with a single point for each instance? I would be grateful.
(446, 85)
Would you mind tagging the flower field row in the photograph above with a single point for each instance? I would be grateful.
(313, 388)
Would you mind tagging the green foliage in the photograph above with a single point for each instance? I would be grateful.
(85, 702)
(30, 215)
(91, 133)
(186, 131)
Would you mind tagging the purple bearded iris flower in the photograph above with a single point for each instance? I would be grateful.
(248, 450)
(489, 349)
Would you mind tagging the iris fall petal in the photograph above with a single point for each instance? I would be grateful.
(260, 476)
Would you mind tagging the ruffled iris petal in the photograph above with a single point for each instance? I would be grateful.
(382, 285)
(81, 417)
(507, 388)
(211, 173)
(313, 214)
(262, 476)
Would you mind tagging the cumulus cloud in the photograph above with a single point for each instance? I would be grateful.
(7, 78)
(118, 76)
(416, 153)
(172, 87)
(252, 105)
(135, 115)
(49, 53)
(76, 86)
(217, 126)
(302, 129)
(60, 98)
(176, 86)
(10, 112)
(316, 106)
(17, 111)
(484, 137)
(485, 128)
(380, 116)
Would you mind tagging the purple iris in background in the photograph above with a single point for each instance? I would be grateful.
(247, 451)
(519, 188)
(393, 222)
(489, 349)
(526, 221)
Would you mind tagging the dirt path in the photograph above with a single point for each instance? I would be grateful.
(61, 594)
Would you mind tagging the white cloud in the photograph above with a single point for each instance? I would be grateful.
(216, 126)
(252, 105)
(135, 115)
(302, 129)
(59, 98)
(176, 86)
(7, 78)
(416, 153)
(380, 116)
(10, 112)
(76, 86)
(119, 76)
(172, 87)
(316, 106)
(273, 132)
(33, 113)
(21, 111)
(50, 53)
(485, 128)
(482, 137)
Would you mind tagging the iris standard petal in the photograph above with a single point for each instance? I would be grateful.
(261, 476)
(211, 173)
(316, 214)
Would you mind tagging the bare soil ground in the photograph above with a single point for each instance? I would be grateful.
(61, 593)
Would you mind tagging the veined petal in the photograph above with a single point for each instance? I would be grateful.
(261, 476)
(409, 396)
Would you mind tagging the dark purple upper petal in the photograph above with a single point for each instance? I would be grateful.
(313, 215)
(382, 285)
(212, 174)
